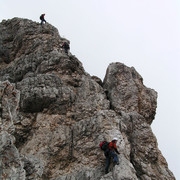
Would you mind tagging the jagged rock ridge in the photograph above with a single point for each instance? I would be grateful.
(53, 114)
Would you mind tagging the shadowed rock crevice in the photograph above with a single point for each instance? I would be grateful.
(53, 114)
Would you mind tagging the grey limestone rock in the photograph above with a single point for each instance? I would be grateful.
(11, 166)
(127, 92)
(53, 114)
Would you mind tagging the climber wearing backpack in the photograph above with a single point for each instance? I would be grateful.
(42, 18)
(66, 47)
(111, 153)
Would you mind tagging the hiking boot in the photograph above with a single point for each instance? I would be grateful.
(116, 163)
(106, 171)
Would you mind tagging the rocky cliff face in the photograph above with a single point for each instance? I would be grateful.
(53, 115)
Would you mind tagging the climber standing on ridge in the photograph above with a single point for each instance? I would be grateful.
(42, 19)
(66, 47)
(111, 153)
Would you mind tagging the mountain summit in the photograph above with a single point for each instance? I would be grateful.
(54, 115)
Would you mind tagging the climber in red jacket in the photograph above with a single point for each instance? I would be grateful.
(112, 149)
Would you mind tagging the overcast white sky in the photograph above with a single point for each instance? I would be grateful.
(144, 34)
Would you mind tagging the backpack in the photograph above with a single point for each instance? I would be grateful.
(41, 17)
(104, 145)
(66, 45)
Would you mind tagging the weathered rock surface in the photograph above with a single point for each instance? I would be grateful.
(53, 115)
(127, 93)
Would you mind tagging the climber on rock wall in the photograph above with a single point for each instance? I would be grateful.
(66, 47)
(42, 18)
(112, 154)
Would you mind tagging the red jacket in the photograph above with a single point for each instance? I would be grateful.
(113, 147)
